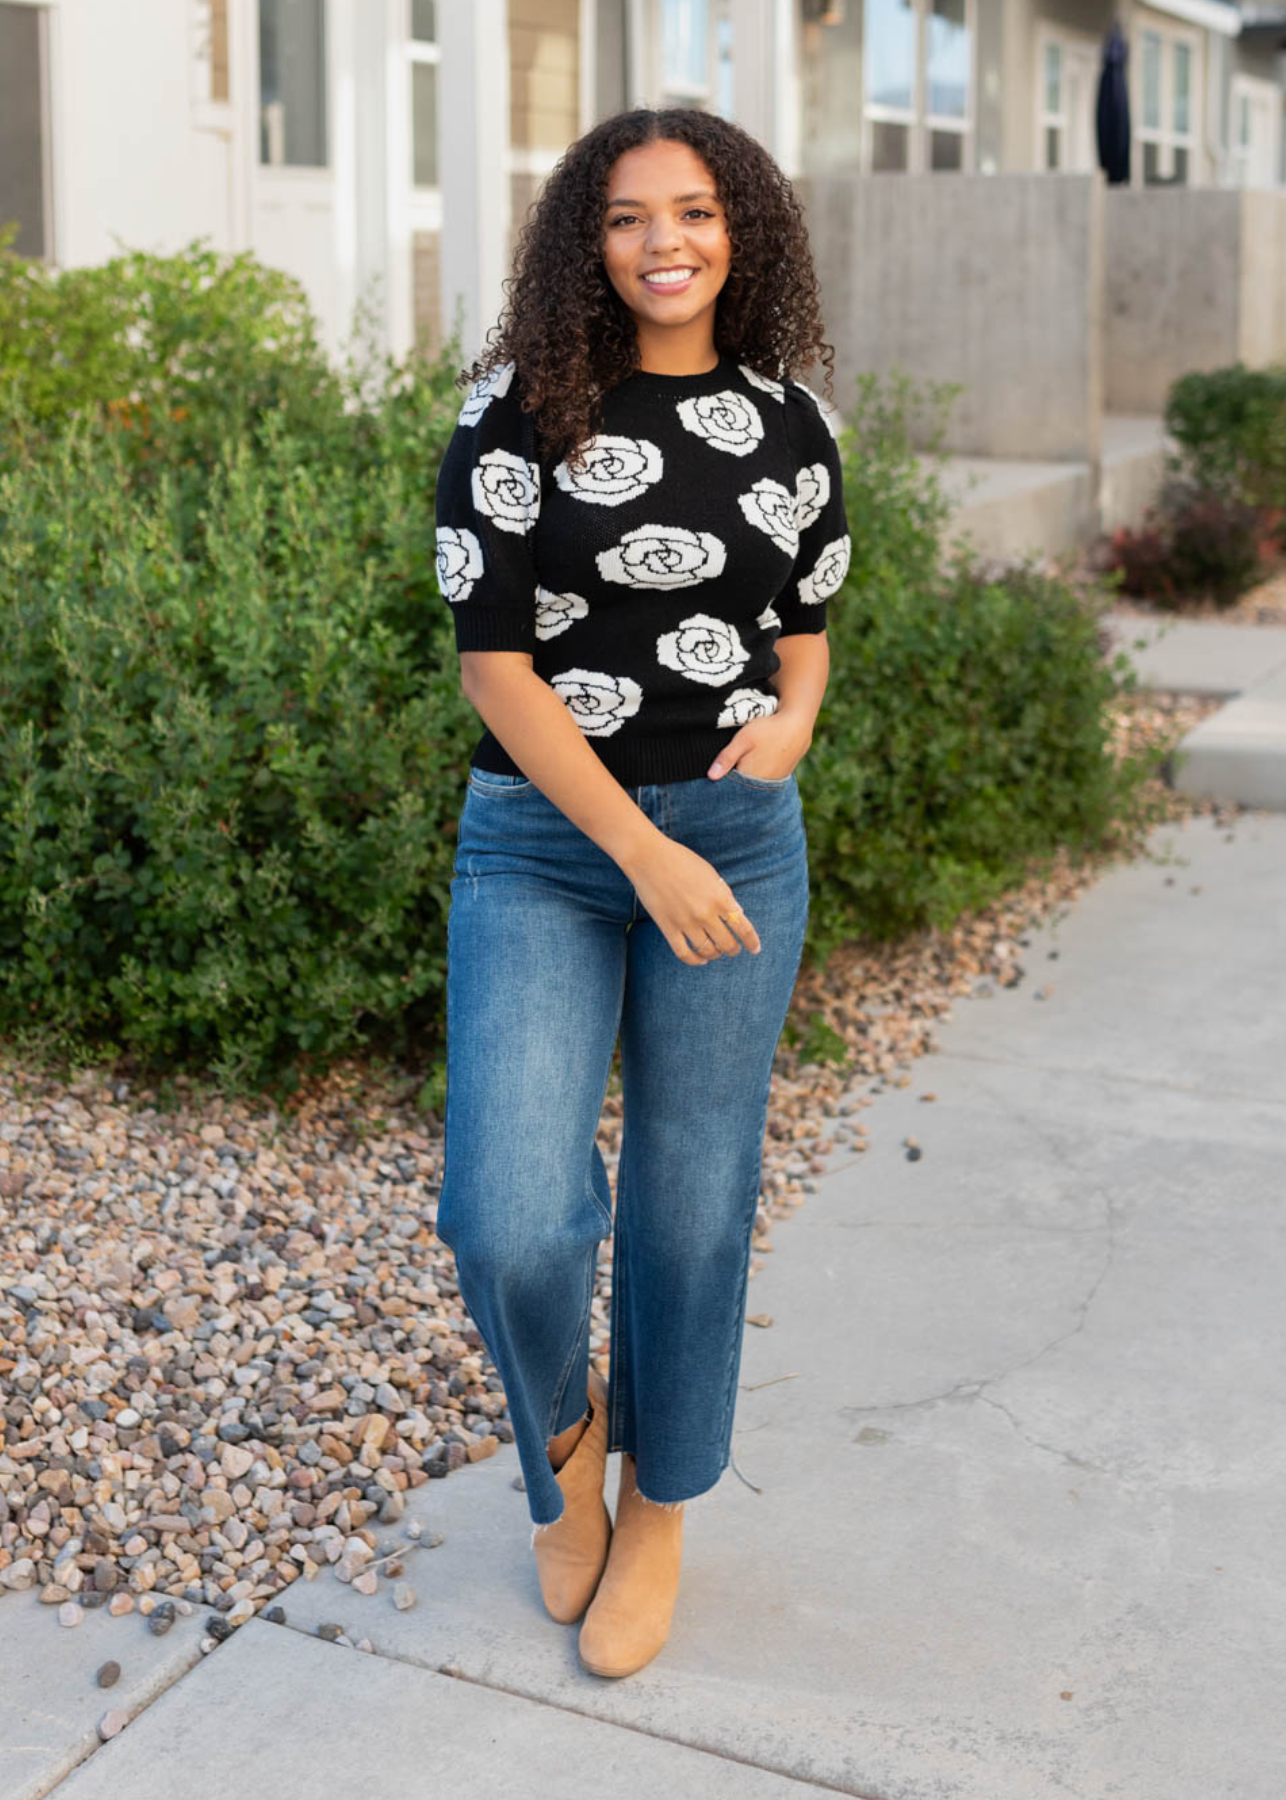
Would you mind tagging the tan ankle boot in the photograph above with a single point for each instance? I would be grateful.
(629, 1618)
(571, 1552)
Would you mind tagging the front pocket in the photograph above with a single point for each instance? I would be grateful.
(489, 782)
(765, 781)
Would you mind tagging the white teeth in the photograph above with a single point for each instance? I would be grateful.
(668, 280)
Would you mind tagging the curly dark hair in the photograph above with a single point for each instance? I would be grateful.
(567, 330)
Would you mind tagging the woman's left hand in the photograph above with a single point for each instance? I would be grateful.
(769, 747)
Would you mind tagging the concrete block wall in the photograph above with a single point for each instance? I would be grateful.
(995, 281)
(1195, 279)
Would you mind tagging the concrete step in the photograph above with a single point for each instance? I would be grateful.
(1239, 752)
(1196, 656)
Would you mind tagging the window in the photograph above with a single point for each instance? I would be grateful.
(1166, 130)
(426, 56)
(1053, 120)
(292, 83)
(917, 61)
(685, 48)
(24, 182)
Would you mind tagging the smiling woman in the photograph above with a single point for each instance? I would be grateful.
(640, 523)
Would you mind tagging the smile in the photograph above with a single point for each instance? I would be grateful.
(670, 280)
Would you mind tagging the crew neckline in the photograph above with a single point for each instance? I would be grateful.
(648, 381)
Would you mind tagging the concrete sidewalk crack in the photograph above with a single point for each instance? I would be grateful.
(976, 1388)
(805, 1782)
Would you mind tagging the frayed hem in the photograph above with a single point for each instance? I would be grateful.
(665, 1505)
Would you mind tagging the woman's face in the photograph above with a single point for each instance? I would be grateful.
(663, 213)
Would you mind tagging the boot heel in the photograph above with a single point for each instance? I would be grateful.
(572, 1551)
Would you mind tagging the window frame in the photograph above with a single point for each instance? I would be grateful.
(920, 123)
(424, 52)
(1165, 137)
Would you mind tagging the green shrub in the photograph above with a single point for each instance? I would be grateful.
(1195, 545)
(1230, 426)
(232, 739)
(965, 730)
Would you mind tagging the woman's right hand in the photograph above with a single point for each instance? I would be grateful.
(691, 904)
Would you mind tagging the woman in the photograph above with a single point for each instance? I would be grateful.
(640, 519)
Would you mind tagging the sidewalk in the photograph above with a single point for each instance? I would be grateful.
(1014, 1437)
(1239, 752)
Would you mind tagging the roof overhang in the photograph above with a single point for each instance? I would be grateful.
(1214, 15)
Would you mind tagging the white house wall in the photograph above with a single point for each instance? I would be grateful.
(128, 163)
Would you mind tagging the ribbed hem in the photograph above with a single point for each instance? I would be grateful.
(496, 628)
(675, 758)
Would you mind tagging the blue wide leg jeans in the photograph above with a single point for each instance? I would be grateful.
(551, 955)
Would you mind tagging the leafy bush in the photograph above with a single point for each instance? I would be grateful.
(965, 726)
(1230, 425)
(232, 739)
(1195, 545)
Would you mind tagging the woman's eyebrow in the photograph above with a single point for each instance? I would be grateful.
(700, 194)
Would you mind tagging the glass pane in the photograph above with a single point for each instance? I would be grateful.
(888, 147)
(424, 21)
(1052, 135)
(724, 101)
(946, 150)
(1181, 164)
(1243, 120)
(424, 124)
(1151, 162)
(888, 39)
(1053, 78)
(1152, 80)
(292, 83)
(948, 71)
(684, 42)
(1182, 85)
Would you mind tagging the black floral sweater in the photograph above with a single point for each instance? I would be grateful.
(650, 585)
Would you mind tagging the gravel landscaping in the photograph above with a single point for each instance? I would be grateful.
(230, 1342)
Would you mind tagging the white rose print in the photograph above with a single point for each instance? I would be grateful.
(484, 391)
(812, 491)
(506, 490)
(831, 424)
(828, 571)
(663, 556)
(616, 469)
(772, 507)
(768, 620)
(555, 612)
(459, 560)
(600, 704)
(726, 420)
(744, 704)
(703, 648)
(765, 382)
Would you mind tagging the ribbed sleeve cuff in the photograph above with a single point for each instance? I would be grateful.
(804, 621)
(495, 628)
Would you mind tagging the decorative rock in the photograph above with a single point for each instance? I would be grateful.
(235, 1460)
(366, 1583)
(404, 1596)
(109, 1674)
(70, 1614)
(113, 1723)
(119, 1604)
(330, 1632)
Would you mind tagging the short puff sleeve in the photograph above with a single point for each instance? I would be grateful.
(825, 545)
(486, 506)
